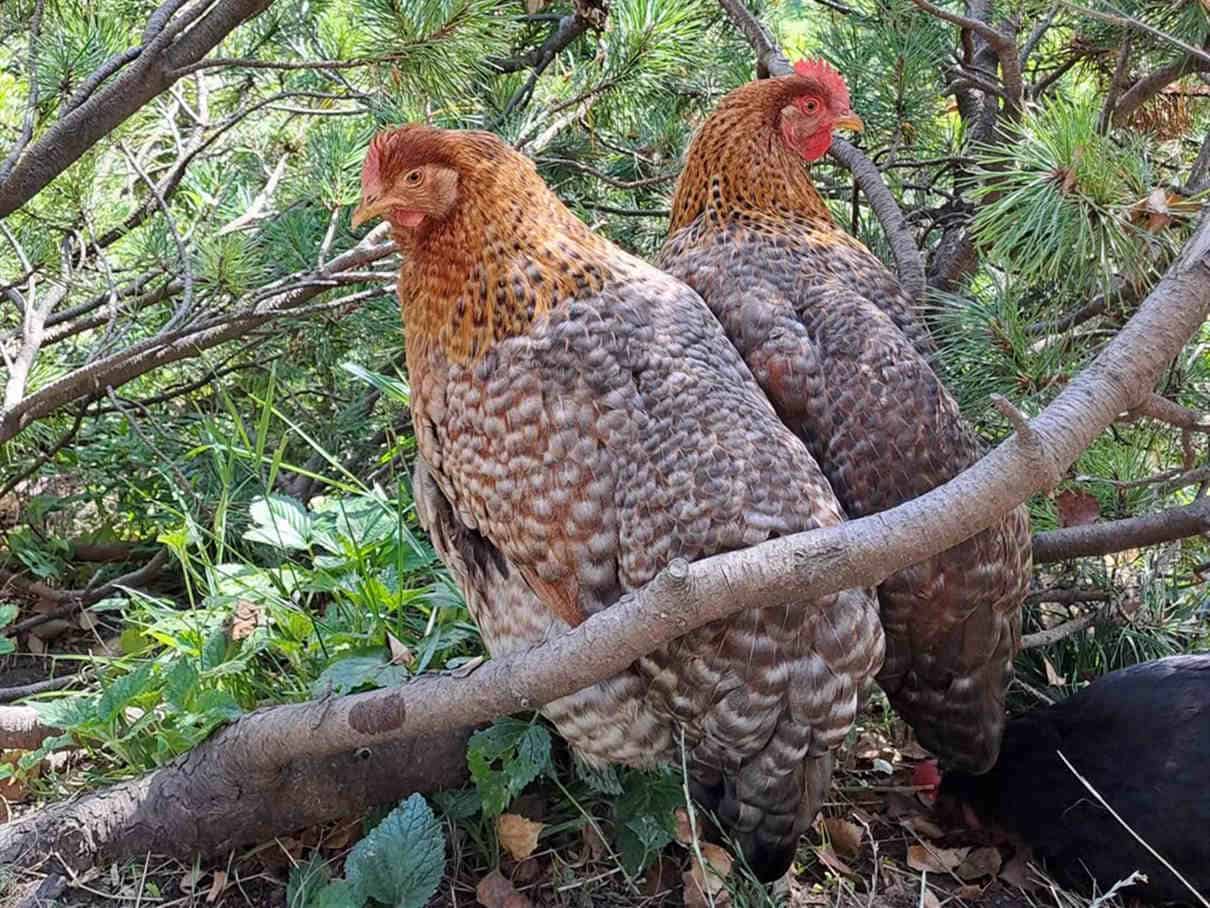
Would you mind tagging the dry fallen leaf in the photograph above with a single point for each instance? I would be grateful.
(496, 891)
(189, 880)
(980, 863)
(684, 829)
(1154, 211)
(518, 836)
(1053, 678)
(217, 886)
(244, 619)
(706, 883)
(935, 860)
(400, 654)
(703, 883)
(13, 788)
(924, 826)
(1077, 508)
(844, 836)
(594, 846)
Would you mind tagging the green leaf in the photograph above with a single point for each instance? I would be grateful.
(280, 522)
(337, 894)
(180, 683)
(67, 712)
(117, 695)
(7, 646)
(371, 668)
(8, 611)
(523, 750)
(402, 860)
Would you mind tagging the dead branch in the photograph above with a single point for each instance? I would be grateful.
(280, 298)
(908, 262)
(1066, 629)
(210, 801)
(236, 777)
(21, 691)
(1122, 535)
(1066, 597)
(72, 601)
(142, 79)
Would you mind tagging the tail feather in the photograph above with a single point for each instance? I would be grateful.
(766, 815)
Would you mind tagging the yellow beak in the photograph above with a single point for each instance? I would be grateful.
(850, 121)
(368, 210)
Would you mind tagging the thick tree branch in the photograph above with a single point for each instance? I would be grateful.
(250, 757)
(1152, 84)
(1121, 535)
(770, 61)
(147, 76)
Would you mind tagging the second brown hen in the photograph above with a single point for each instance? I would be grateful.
(833, 340)
(582, 421)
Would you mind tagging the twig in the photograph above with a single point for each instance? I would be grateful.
(1035, 36)
(31, 104)
(1138, 838)
(21, 691)
(1066, 597)
(1162, 409)
(606, 178)
(1066, 629)
(46, 456)
(1121, 20)
(1120, 73)
(78, 600)
(628, 212)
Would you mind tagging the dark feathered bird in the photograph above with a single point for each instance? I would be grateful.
(834, 342)
(582, 420)
(1141, 737)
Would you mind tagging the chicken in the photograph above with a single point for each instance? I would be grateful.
(1141, 737)
(833, 340)
(581, 420)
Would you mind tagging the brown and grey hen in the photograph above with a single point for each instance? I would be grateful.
(833, 340)
(582, 421)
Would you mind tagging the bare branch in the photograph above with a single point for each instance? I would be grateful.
(1121, 73)
(20, 728)
(282, 297)
(1122, 535)
(1121, 20)
(1066, 629)
(1159, 408)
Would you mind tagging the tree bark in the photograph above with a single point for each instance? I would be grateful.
(235, 789)
(253, 765)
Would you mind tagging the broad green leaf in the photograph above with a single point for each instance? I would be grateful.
(116, 695)
(402, 860)
(280, 522)
(8, 611)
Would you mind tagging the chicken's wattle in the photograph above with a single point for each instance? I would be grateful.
(405, 217)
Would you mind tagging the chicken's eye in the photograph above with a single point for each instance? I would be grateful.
(414, 178)
(812, 105)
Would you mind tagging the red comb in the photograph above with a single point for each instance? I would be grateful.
(371, 170)
(826, 74)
